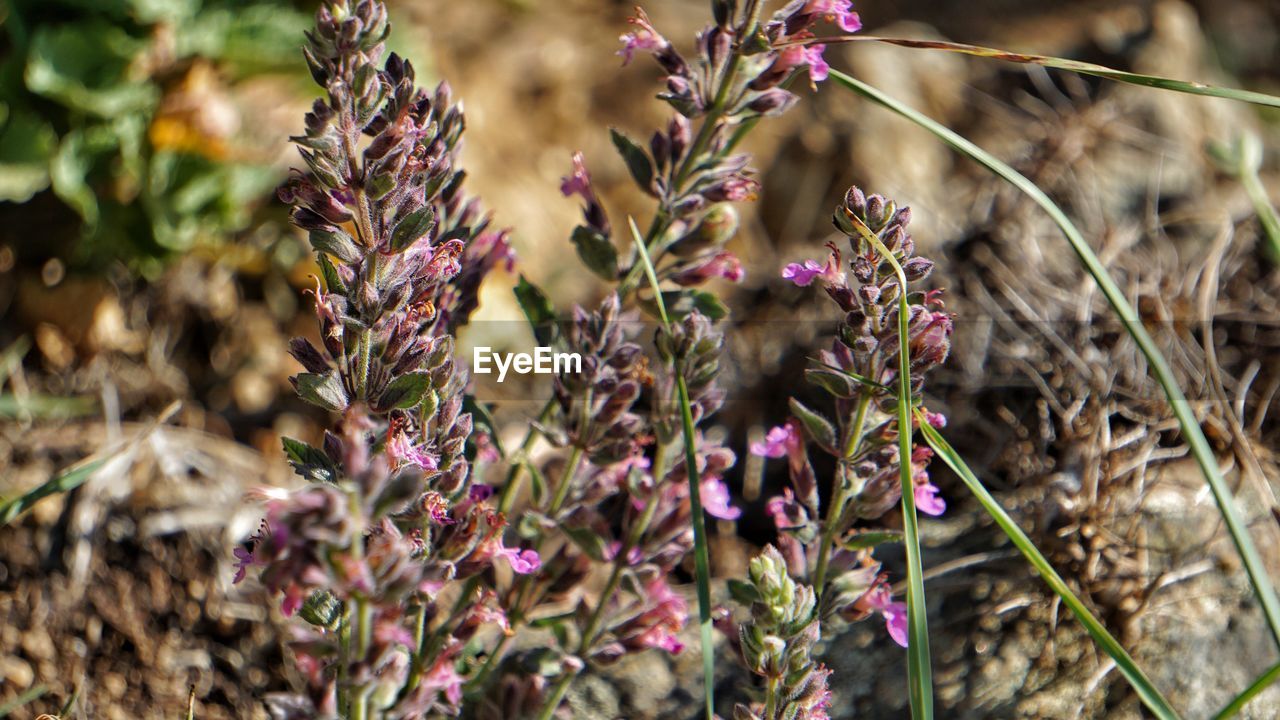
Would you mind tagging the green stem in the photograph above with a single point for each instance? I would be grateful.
(515, 474)
(840, 497)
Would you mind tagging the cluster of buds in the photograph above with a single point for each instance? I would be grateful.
(390, 517)
(860, 373)
(594, 406)
(622, 507)
(777, 643)
(739, 73)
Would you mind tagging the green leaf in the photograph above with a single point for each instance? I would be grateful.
(311, 463)
(336, 243)
(1128, 316)
(26, 145)
(69, 173)
(587, 540)
(412, 227)
(405, 392)
(85, 66)
(325, 391)
(332, 280)
(636, 158)
(1084, 68)
(710, 305)
(742, 592)
(867, 539)
(1146, 691)
(537, 310)
(596, 251)
(817, 427)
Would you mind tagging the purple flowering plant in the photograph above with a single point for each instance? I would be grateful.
(414, 578)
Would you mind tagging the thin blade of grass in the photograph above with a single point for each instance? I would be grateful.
(1148, 693)
(1057, 63)
(701, 557)
(1263, 682)
(1191, 430)
(1248, 162)
(25, 698)
(919, 665)
(65, 481)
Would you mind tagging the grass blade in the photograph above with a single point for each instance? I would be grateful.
(1195, 438)
(701, 558)
(1262, 683)
(25, 698)
(1150, 696)
(919, 665)
(1084, 68)
(1243, 159)
(65, 481)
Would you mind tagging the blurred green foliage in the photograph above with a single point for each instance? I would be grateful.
(118, 107)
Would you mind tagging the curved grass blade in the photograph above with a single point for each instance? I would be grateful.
(1195, 438)
(1148, 693)
(701, 558)
(65, 481)
(25, 698)
(1084, 68)
(1262, 683)
(919, 666)
(1243, 159)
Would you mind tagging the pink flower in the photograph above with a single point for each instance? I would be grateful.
(644, 37)
(839, 12)
(928, 501)
(402, 451)
(244, 559)
(522, 562)
(778, 441)
(715, 499)
(723, 264)
(579, 183)
(936, 420)
(818, 68)
(802, 275)
(880, 599)
(442, 677)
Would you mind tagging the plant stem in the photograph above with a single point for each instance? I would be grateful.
(510, 488)
(840, 497)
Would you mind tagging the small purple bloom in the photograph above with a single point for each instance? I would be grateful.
(715, 499)
(802, 275)
(579, 183)
(840, 12)
(928, 500)
(895, 613)
(522, 562)
(777, 442)
(818, 67)
(244, 559)
(645, 37)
